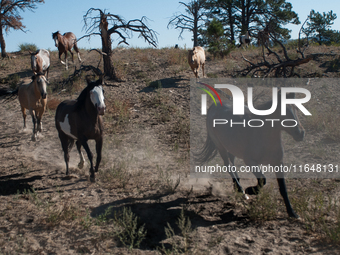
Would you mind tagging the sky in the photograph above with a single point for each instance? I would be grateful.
(67, 16)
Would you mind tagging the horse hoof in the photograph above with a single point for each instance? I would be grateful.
(245, 196)
(33, 139)
(293, 215)
(92, 179)
(81, 165)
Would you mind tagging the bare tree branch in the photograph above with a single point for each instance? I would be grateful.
(97, 22)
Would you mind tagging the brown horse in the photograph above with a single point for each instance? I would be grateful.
(33, 96)
(81, 120)
(65, 43)
(259, 145)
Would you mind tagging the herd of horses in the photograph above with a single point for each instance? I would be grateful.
(81, 119)
(76, 120)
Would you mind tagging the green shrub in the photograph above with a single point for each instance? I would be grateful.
(27, 47)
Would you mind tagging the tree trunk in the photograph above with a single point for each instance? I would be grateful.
(231, 23)
(195, 31)
(3, 45)
(106, 48)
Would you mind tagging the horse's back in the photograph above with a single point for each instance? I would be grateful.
(64, 108)
(70, 35)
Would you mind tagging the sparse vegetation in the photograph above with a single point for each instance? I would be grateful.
(130, 233)
(25, 47)
(143, 200)
(264, 207)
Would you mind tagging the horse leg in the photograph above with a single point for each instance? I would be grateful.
(39, 117)
(90, 156)
(75, 47)
(236, 180)
(261, 181)
(203, 69)
(81, 156)
(283, 191)
(70, 50)
(61, 53)
(34, 120)
(65, 141)
(24, 115)
(64, 63)
(99, 146)
(66, 60)
(39, 124)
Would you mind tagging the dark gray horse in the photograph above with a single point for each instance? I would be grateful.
(255, 145)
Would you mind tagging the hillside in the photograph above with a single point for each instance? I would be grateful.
(145, 167)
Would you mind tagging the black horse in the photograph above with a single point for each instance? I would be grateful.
(81, 120)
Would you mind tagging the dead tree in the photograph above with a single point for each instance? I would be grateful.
(96, 22)
(282, 66)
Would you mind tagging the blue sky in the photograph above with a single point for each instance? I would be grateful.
(67, 15)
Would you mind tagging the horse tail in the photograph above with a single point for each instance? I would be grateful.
(208, 152)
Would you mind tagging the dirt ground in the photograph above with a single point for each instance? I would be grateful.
(145, 168)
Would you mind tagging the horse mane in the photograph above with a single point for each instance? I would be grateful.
(54, 34)
(82, 96)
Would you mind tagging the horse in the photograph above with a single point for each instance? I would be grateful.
(40, 61)
(81, 120)
(255, 145)
(244, 40)
(196, 59)
(65, 43)
(33, 96)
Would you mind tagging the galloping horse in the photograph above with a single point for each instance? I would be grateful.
(81, 120)
(255, 145)
(33, 96)
(65, 43)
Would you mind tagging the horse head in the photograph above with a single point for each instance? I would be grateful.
(97, 96)
(41, 82)
(55, 38)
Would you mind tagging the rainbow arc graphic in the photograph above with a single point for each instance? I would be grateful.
(209, 93)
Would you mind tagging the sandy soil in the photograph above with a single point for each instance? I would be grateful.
(146, 150)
